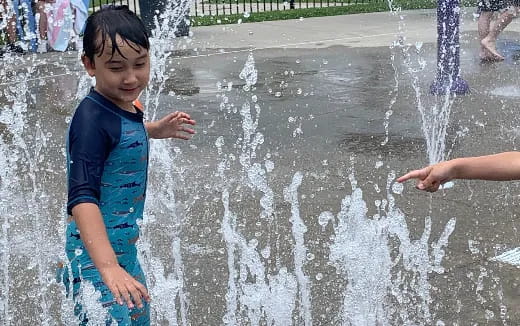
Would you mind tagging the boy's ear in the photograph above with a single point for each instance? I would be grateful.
(89, 65)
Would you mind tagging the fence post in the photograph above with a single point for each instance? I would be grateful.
(448, 50)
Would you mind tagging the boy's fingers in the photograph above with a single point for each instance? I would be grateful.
(171, 116)
(187, 121)
(116, 294)
(143, 290)
(136, 295)
(183, 137)
(126, 297)
(188, 130)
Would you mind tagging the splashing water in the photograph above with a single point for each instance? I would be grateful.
(253, 293)
(266, 277)
(434, 117)
(361, 241)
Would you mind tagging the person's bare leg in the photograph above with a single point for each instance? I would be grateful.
(489, 42)
(484, 22)
(42, 24)
(11, 22)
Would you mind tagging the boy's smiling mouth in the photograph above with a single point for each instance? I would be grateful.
(129, 89)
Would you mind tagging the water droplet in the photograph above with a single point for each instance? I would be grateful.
(246, 14)
(239, 21)
(397, 188)
(325, 61)
(278, 94)
(269, 165)
(299, 91)
(310, 256)
(253, 243)
(324, 218)
(78, 252)
(254, 98)
(301, 18)
(266, 252)
(319, 276)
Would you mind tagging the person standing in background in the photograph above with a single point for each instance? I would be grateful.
(489, 29)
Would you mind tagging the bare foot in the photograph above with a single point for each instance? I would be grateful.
(490, 52)
(483, 53)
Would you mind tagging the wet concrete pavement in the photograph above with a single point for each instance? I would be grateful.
(324, 87)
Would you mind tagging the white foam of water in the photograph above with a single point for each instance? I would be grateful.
(511, 257)
(361, 241)
(506, 91)
(89, 299)
(161, 209)
(168, 288)
(252, 293)
(300, 251)
(24, 189)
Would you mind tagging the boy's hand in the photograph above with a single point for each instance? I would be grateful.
(432, 177)
(124, 287)
(171, 126)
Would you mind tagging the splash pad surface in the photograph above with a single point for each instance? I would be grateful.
(283, 209)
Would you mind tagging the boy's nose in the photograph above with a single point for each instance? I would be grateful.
(130, 78)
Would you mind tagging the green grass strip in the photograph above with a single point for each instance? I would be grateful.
(317, 12)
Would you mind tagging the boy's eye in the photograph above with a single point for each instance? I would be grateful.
(139, 64)
(114, 68)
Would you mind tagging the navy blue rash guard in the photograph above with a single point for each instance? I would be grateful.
(107, 165)
(107, 155)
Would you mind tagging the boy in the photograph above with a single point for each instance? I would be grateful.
(497, 167)
(107, 149)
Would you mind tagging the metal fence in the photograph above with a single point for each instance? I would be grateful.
(230, 7)
(132, 4)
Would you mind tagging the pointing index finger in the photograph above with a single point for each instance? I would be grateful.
(416, 174)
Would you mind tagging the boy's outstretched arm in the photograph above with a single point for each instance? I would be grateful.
(93, 234)
(171, 126)
(498, 167)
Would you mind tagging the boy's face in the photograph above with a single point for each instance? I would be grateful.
(120, 79)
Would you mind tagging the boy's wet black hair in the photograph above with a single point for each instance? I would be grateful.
(106, 24)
